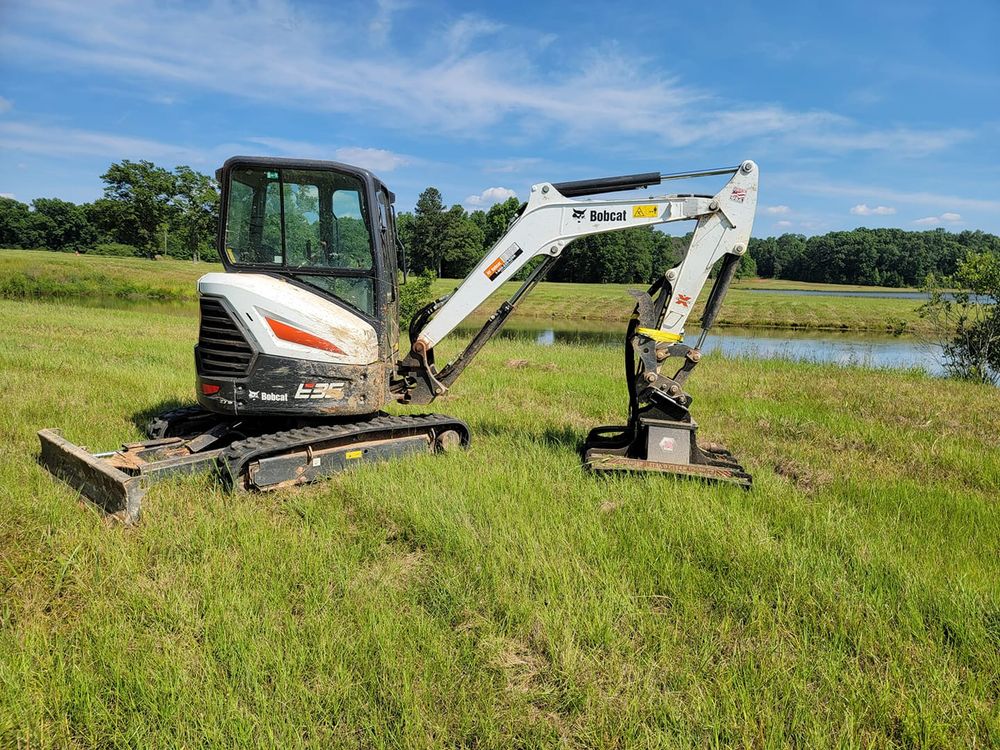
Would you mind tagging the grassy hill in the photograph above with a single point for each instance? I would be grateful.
(503, 597)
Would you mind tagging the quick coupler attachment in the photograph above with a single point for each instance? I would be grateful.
(664, 446)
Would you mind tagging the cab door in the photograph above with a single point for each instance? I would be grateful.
(387, 230)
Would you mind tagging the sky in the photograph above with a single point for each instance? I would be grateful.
(868, 113)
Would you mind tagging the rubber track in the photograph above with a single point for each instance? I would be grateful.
(233, 460)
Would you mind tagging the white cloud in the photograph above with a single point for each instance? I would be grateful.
(461, 34)
(54, 141)
(490, 196)
(6, 105)
(862, 209)
(452, 82)
(817, 185)
(8, 195)
(375, 159)
(948, 217)
(782, 223)
(777, 210)
(381, 24)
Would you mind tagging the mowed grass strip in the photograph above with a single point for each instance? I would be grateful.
(502, 596)
(748, 305)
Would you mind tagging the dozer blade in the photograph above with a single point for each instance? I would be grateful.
(109, 488)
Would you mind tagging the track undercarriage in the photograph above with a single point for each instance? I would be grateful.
(244, 454)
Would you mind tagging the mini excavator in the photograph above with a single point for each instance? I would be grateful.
(298, 342)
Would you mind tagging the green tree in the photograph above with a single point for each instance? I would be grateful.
(65, 226)
(968, 320)
(196, 200)
(428, 226)
(143, 194)
(16, 228)
(461, 244)
(498, 219)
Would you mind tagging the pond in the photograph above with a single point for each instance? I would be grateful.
(844, 348)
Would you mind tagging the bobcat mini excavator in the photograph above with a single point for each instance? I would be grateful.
(298, 341)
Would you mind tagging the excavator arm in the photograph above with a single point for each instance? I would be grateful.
(550, 220)
(660, 434)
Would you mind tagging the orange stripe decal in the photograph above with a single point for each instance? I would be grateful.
(296, 336)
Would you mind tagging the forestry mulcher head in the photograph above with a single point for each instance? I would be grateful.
(660, 435)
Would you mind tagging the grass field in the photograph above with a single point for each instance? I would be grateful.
(26, 274)
(501, 597)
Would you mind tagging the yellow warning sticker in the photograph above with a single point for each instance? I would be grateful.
(644, 212)
(353, 454)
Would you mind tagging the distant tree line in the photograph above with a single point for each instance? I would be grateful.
(145, 210)
(871, 257)
(148, 210)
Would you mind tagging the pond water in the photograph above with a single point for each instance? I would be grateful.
(844, 348)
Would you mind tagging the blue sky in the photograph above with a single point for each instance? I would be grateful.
(859, 113)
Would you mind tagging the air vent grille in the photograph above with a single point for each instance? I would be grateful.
(223, 350)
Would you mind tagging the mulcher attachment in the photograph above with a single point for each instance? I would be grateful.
(660, 435)
(664, 446)
(245, 456)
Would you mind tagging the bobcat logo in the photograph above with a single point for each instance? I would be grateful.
(578, 213)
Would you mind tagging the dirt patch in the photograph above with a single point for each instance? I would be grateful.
(521, 364)
(802, 477)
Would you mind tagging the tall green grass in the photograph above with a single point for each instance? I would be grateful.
(34, 274)
(501, 596)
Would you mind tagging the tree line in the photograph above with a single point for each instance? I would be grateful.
(870, 257)
(147, 210)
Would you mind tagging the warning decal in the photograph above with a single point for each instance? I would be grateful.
(496, 268)
(644, 212)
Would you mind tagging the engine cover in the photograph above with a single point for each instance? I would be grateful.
(266, 346)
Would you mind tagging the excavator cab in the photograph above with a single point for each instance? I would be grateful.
(325, 225)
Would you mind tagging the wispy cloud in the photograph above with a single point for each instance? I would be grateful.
(8, 195)
(455, 85)
(489, 197)
(33, 138)
(463, 32)
(6, 105)
(375, 159)
(380, 26)
(945, 218)
(784, 223)
(777, 210)
(863, 209)
(816, 185)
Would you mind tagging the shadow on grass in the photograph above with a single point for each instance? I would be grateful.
(556, 437)
(142, 419)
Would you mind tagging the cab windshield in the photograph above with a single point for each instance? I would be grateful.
(313, 222)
